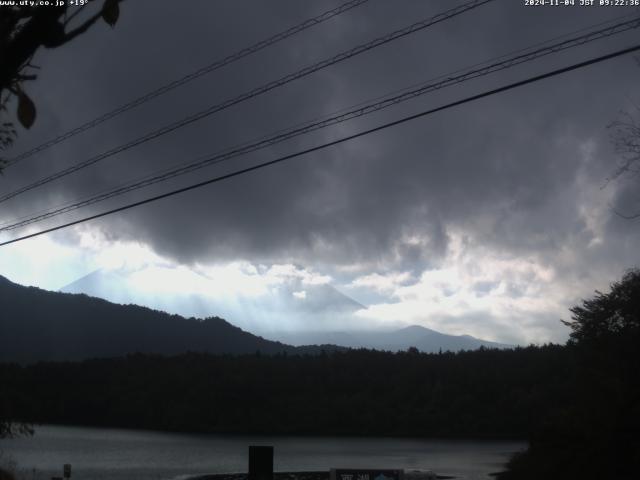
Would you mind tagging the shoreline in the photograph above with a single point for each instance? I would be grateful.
(286, 434)
(310, 475)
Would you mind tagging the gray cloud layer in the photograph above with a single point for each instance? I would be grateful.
(518, 172)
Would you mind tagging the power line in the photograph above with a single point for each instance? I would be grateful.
(254, 93)
(405, 95)
(336, 142)
(256, 47)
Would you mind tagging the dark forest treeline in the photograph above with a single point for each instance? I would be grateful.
(479, 393)
(596, 434)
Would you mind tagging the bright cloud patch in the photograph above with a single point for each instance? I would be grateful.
(474, 291)
(41, 262)
(382, 283)
(301, 295)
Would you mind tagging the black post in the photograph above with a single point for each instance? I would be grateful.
(260, 463)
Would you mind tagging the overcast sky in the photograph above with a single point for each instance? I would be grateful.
(491, 218)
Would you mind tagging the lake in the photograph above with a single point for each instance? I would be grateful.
(116, 454)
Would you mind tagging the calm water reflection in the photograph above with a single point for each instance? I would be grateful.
(98, 454)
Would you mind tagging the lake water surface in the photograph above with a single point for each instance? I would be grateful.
(114, 454)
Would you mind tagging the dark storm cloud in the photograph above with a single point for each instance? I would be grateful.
(510, 170)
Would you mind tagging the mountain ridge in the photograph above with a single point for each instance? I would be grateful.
(417, 336)
(292, 302)
(40, 325)
(318, 318)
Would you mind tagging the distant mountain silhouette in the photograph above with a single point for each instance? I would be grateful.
(310, 320)
(38, 325)
(290, 304)
(424, 339)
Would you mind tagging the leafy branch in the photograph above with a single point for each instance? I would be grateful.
(23, 30)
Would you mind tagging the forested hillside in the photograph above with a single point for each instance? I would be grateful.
(38, 325)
